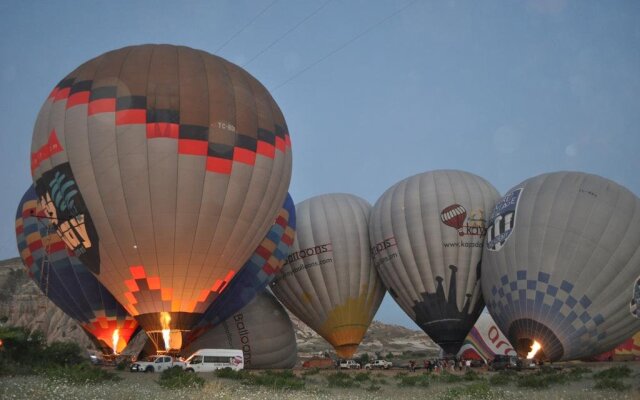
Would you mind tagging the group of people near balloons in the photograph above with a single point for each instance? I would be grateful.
(159, 202)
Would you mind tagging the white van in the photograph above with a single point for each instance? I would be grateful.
(208, 360)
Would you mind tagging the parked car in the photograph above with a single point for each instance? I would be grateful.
(349, 364)
(501, 362)
(381, 364)
(157, 363)
(207, 360)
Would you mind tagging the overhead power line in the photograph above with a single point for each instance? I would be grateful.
(343, 45)
(305, 19)
(246, 26)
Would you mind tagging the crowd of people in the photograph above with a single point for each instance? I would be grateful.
(440, 365)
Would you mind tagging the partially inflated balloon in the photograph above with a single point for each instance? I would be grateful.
(328, 280)
(163, 168)
(66, 282)
(426, 234)
(485, 341)
(262, 330)
(256, 273)
(561, 259)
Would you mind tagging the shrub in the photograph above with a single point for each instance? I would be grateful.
(413, 380)
(447, 377)
(471, 375)
(533, 381)
(611, 383)
(229, 373)
(312, 371)
(276, 380)
(63, 353)
(500, 379)
(122, 365)
(362, 376)
(372, 388)
(614, 373)
(80, 374)
(340, 379)
(177, 378)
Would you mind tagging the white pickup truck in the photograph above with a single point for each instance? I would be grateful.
(349, 364)
(157, 363)
(382, 364)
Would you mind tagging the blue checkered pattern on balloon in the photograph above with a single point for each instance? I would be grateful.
(554, 304)
(256, 274)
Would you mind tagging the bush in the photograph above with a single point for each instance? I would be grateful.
(229, 373)
(312, 371)
(275, 380)
(122, 365)
(447, 377)
(413, 380)
(177, 378)
(614, 373)
(362, 376)
(611, 383)
(63, 353)
(471, 375)
(342, 380)
(372, 388)
(533, 381)
(500, 379)
(80, 374)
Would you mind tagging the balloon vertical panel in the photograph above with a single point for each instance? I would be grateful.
(178, 162)
(328, 280)
(561, 256)
(426, 235)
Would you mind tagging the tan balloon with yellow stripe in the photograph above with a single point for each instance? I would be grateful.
(328, 280)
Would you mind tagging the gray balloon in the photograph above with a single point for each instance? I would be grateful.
(560, 261)
(427, 234)
(328, 280)
(262, 330)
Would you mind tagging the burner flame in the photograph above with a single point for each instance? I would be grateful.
(535, 347)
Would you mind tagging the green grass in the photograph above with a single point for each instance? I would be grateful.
(362, 376)
(413, 380)
(341, 380)
(476, 390)
(611, 384)
(614, 373)
(447, 377)
(533, 381)
(229, 373)
(80, 374)
(502, 378)
(286, 380)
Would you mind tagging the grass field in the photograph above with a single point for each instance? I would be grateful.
(573, 381)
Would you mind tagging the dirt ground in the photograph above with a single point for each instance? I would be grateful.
(140, 386)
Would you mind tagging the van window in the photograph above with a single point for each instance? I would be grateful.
(196, 360)
(216, 359)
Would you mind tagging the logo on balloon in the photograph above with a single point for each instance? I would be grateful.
(64, 210)
(634, 306)
(455, 216)
(503, 220)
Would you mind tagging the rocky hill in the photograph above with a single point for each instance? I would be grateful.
(23, 304)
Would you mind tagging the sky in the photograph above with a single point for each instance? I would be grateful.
(372, 91)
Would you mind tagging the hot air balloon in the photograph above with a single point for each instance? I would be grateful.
(485, 341)
(68, 283)
(163, 168)
(559, 264)
(429, 258)
(625, 351)
(262, 330)
(328, 280)
(256, 273)
(634, 304)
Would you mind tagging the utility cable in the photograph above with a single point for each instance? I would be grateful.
(246, 26)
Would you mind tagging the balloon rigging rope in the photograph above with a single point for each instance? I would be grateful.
(246, 26)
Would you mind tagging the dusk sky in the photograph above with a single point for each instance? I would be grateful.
(372, 91)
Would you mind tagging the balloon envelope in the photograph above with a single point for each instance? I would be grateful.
(426, 235)
(66, 282)
(560, 262)
(262, 330)
(256, 273)
(163, 168)
(485, 341)
(328, 280)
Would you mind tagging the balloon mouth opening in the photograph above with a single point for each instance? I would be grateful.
(535, 348)
(346, 351)
(535, 341)
(167, 340)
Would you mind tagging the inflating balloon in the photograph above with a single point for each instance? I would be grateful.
(256, 273)
(485, 341)
(426, 236)
(560, 262)
(66, 282)
(163, 168)
(262, 330)
(328, 280)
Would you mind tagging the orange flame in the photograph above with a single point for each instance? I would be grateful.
(535, 347)
(115, 338)
(165, 320)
